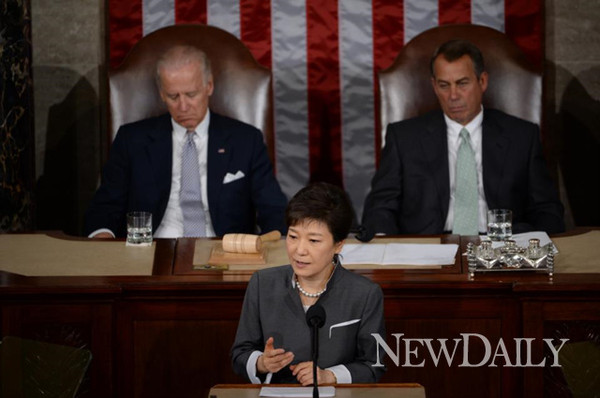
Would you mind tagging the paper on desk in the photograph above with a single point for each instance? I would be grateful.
(399, 253)
(296, 392)
(523, 239)
(419, 254)
(353, 253)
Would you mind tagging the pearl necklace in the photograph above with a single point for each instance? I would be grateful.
(307, 294)
(317, 294)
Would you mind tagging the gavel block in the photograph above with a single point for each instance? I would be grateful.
(242, 249)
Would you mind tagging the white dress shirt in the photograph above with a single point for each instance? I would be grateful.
(171, 225)
(453, 134)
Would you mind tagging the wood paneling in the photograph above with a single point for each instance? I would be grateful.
(170, 335)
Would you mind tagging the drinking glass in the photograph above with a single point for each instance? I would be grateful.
(139, 228)
(499, 224)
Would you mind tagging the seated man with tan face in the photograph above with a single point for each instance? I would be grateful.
(199, 173)
(441, 172)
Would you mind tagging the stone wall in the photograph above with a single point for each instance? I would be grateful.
(69, 58)
(16, 118)
(572, 86)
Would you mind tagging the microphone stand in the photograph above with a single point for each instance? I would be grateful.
(315, 318)
(315, 339)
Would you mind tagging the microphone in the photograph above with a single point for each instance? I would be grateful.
(315, 318)
(364, 234)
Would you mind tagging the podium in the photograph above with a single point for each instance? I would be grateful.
(382, 390)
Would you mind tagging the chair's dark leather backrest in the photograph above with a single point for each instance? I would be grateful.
(242, 86)
(514, 87)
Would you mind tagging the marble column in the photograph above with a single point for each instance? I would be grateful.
(17, 152)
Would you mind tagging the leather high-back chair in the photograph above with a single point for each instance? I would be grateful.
(242, 87)
(514, 86)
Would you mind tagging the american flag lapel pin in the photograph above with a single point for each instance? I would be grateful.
(221, 150)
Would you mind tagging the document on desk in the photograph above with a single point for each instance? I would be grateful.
(328, 391)
(399, 254)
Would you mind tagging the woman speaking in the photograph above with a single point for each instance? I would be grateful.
(273, 340)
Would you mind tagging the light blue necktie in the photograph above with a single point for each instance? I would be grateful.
(466, 204)
(190, 195)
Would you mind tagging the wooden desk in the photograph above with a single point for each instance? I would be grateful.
(188, 260)
(167, 334)
(406, 390)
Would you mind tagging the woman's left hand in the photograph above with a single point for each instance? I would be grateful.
(304, 374)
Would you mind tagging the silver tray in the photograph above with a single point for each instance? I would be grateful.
(510, 257)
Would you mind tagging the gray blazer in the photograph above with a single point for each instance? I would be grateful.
(272, 307)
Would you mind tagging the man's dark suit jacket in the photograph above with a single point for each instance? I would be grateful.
(137, 177)
(410, 192)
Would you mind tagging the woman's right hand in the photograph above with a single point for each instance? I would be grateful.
(273, 359)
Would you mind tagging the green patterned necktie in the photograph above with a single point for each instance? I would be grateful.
(466, 204)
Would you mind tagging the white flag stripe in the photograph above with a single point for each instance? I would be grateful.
(157, 14)
(488, 13)
(357, 98)
(419, 16)
(224, 14)
(288, 45)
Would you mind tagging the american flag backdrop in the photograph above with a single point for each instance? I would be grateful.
(324, 56)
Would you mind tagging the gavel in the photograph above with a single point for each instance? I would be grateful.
(247, 243)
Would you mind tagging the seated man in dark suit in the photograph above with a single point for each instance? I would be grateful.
(442, 171)
(197, 172)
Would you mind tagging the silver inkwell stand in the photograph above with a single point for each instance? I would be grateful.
(510, 257)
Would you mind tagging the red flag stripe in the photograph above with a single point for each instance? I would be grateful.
(524, 21)
(190, 11)
(388, 39)
(454, 11)
(255, 27)
(324, 118)
(125, 28)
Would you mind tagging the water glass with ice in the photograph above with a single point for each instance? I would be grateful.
(139, 228)
(499, 224)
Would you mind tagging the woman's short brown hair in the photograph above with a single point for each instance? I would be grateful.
(325, 203)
